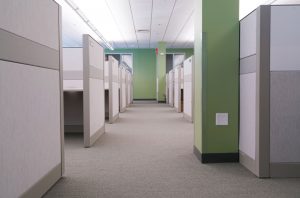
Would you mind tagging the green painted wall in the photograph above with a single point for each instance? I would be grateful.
(188, 51)
(217, 75)
(144, 68)
(161, 71)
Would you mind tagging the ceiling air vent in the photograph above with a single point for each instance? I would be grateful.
(143, 31)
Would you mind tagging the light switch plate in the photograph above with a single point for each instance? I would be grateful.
(222, 119)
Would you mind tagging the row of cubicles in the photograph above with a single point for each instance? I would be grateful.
(96, 89)
(46, 90)
(269, 141)
(269, 128)
(180, 88)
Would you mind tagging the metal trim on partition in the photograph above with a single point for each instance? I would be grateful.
(62, 129)
(263, 92)
(193, 88)
(36, 54)
(86, 91)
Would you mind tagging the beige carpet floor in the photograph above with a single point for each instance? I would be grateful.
(148, 153)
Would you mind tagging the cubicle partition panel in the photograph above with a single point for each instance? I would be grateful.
(177, 88)
(188, 87)
(123, 90)
(30, 97)
(171, 87)
(113, 89)
(128, 88)
(106, 89)
(93, 90)
(167, 88)
(270, 91)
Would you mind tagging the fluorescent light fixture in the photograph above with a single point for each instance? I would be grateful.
(88, 23)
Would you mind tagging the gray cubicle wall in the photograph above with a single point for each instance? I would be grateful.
(269, 91)
(31, 153)
(93, 90)
(285, 91)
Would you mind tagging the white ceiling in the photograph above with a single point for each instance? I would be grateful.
(118, 21)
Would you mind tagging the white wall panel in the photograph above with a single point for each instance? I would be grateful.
(94, 110)
(73, 85)
(106, 75)
(123, 87)
(73, 63)
(171, 87)
(247, 114)
(176, 87)
(285, 38)
(248, 35)
(188, 86)
(30, 138)
(73, 59)
(31, 20)
(115, 87)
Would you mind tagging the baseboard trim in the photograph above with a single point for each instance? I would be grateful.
(187, 117)
(113, 119)
(44, 184)
(122, 110)
(96, 136)
(207, 158)
(248, 163)
(162, 102)
(280, 170)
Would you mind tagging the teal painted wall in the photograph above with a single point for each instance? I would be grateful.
(161, 71)
(217, 61)
(144, 67)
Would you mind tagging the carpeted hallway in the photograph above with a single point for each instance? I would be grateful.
(148, 154)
